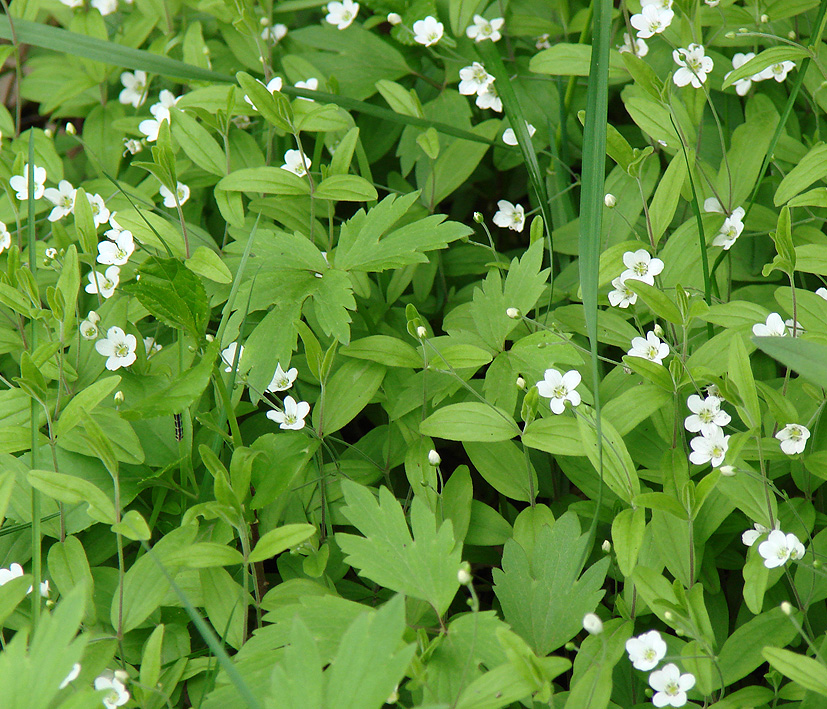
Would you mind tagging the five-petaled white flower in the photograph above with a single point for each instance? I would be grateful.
(622, 296)
(640, 266)
(542, 42)
(116, 694)
(228, 355)
(169, 198)
(694, 66)
(275, 84)
(104, 283)
(646, 651)
(99, 211)
(312, 84)
(20, 183)
(63, 198)
(274, 34)
(774, 327)
(71, 677)
(650, 348)
(160, 112)
(118, 348)
(779, 548)
(282, 380)
(793, 327)
(295, 163)
(485, 29)
(89, 327)
(13, 572)
(151, 346)
(753, 535)
(105, 7)
(489, 98)
(777, 71)
(509, 215)
(118, 250)
(743, 85)
(793, 438)
(707, 416)
(428, 31)
(709, 449)
(670, 686)
(342, 13)
(293, 415)
(132, 146)
(560, 388)
(473, 79)
(640, 47)
(730, 230)
(134, 91)
(5, 237)
(651, 20)
(510, 137)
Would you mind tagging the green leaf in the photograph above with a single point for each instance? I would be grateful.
(198, 144)
(275, 109)
(151, 657)
(345, 188)
(665, 202)
(619, 470)
(628, 528)
(572, 60)
(470, 421)
(205, 262)
(69, 569)
(809, 359)
(806, 672)
(73, 490)
(740, 374)
(423, 567)
(172, 294)
(503, 466)
(133, 526)
(558, 435)
(657, 300)
(205, 555)
(347, 392)
(812, 167)
(400, 99)
(264, 180)
(383, 349)
(543, 596)
(757, 64)
(280, 539)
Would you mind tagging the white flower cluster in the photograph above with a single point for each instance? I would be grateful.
(776, 71)
(640, 266)
(693, 65)
(160, 112)
(474, 79)
(709, 419)
(654, 17)
(645, 653)
(778, 548)
(560, 388)
(113, 253)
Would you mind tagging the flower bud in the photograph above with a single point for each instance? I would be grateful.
(570, 646)
(421, 332)
(209, 338)
(393, 698)
(791, 34)
(592, 624)
(669, 616)
(264, 21)
(742, 30)
(119, 397)
(730, 35)
(658, 330)
(48, 132)
(121, 676)
(520, 383)
(606, 546)
(787, 608)
(765, 19)
(728, 471)
(478, 218)
(817, 563)
(513, 313)
(610, 200)
(394, 18)
(51, 253)
(464, 574)
(433, 458)
(70, 129)
(663, 143)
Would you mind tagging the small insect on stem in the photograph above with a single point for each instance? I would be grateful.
(179, 427)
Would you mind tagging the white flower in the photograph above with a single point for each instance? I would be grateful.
(89, 327)
(116, 694)
(489, 98)
(63, 198)
(711, 204)
(779, 548)
(72, 3)
(104, 283)
(592, 624)
(294, 163)
(822, 292)
(622, 296)
(275, 84)
(5, 238)
(99, 211)
(646, 651)
(44, 589)
(150, 127)
(105, 7)
(730, 230)
(293, 415)
(793, 438)
(670, 686)
(651, 20)
(509, 215)
(707, 416)
(134, 91)
(428, 31)
(342, 13)
(151, 346)
(641, 49)
(793, 327)
(274, 34)
(228, 355)
(463, 576)
(640, 266)
(14, 571)
(560, 388)
(118, 250)
(777, 71)
(169, 198)
(474, 79)
(160, 112)
(20, 183)
(312, 84)
(434, 458)
(694, 66)
(71, 677)
(513, 313)
(752, 535)
(610, 200)
(651, 348)
(510, 138)
(485, 29)
(661, 4)
(282, 380)
(542, 42)
(774, 327)
(712, 3)
(118, 348)
(743, 85)
(709, 449)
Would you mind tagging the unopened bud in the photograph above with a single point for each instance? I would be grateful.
(658, 330)
(513, 313)
(730, 35)
(433, 458)
(592, 624)
(264, 21)
(606, 546)
(742, 30)
(610, 200)
(520, 383)
(421, 332)
(787, 608)
(48, 132)
(121, 676)
(765, 18)
(70, 129)
(464, 574)
(728, 471)
(478, 218)
(663, 143)
(669, 616)
(51, 253)
(393, 698)
(570, 646)
(394, 18)
(791, 34)
(209, 338)
(118, 397)
(817, 563)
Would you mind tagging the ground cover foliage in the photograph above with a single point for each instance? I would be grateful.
(425, 353)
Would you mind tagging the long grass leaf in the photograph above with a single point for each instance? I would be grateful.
(591, 204)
